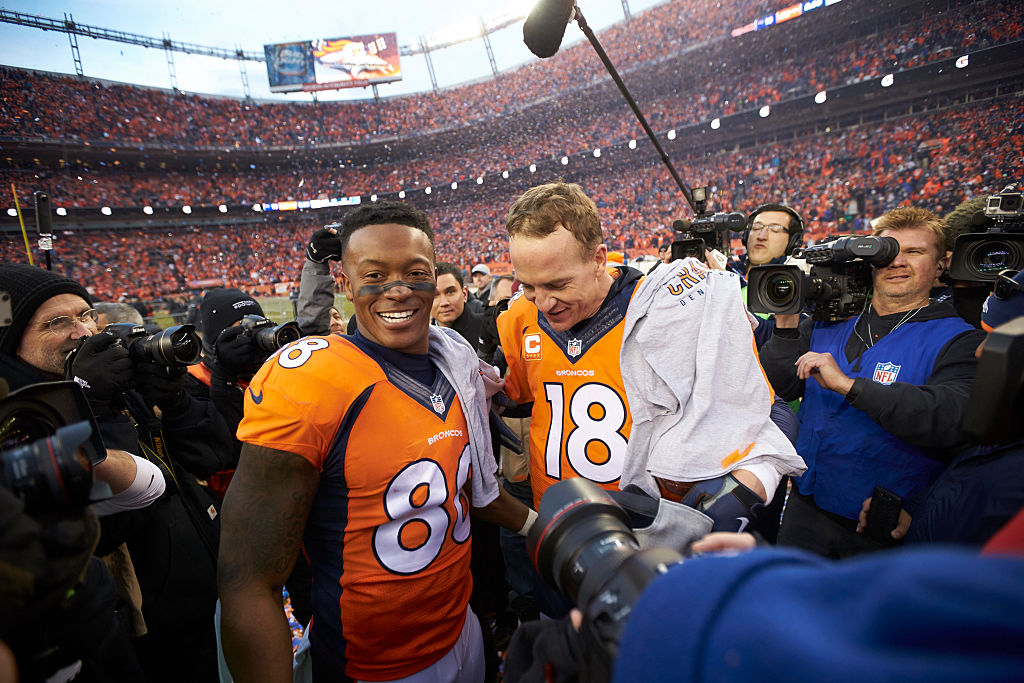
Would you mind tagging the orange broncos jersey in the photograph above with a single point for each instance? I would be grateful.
(580, 416)
(388, 536)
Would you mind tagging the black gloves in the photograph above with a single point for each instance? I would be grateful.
(237, 355)
(104, 369)
(161, 386)
(324, 245)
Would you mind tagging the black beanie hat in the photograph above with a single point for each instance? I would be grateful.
(220, 309)
(30, 287)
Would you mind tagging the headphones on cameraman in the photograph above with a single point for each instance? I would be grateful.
(796, 228)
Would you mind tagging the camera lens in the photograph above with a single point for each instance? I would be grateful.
(780, 289)
(286, 333)
(580, 533)
(991, 257)
(176, 346)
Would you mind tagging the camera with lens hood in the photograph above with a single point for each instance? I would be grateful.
(981, 256)
(49, 445)
(708, 231)
(837, 287)
(178, 346)
(582, 544)
(266, 335)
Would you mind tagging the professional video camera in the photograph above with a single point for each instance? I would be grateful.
(582, 544)
(837, 287)
(266, 335)
(981, 256)
(177, 346)
(705, 232)
(49, 445)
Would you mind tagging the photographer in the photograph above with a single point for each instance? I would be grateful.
(230, 356)
(889, 393)
(316, 284)
(773, 231)
(51, 315)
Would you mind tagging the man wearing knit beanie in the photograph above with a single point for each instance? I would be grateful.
(39, 296)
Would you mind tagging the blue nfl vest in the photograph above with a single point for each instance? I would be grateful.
(846, 452)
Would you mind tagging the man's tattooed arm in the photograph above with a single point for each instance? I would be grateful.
(263, 518)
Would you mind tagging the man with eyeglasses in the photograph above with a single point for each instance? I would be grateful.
(173, 543)
(884, 393)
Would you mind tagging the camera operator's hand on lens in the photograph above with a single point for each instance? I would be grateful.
(161, 386)
(824, 369)
(324, 245)
(237, 355)
(902, 527)
(104, 369)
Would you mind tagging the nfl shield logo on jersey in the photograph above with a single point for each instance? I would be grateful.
(886, 373)
(438, 402)
(575, 347)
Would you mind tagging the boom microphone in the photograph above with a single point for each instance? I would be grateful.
(545, 27)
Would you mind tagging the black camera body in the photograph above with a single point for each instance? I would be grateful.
(582, 545)
(705, 233)
(837, 287)
(981, 256)
(266, 335)
(178, 346)
(49, 445)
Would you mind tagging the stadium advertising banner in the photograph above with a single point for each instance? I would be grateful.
(785, 14)
(331, 63)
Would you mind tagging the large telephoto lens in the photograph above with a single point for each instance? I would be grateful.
(177, 346)
(580, 533)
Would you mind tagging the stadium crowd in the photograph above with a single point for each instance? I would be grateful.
(45, 106)
(936, 158)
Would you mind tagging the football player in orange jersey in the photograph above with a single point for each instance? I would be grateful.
(562, 339)
(370, 450)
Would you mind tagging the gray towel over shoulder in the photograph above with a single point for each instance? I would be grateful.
(699, 399)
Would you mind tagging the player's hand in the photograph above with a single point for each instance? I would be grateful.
(824, 369)
(902, 527)
(724, 541)
(324, 245)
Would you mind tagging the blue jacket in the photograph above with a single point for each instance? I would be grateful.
(846, 451)
(928, 615)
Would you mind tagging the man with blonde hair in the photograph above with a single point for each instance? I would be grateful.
(889, 392)
(567, 340)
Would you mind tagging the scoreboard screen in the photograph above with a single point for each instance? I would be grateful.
(331, 63)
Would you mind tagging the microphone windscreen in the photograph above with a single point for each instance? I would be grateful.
(545, 27)
(681, 225)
